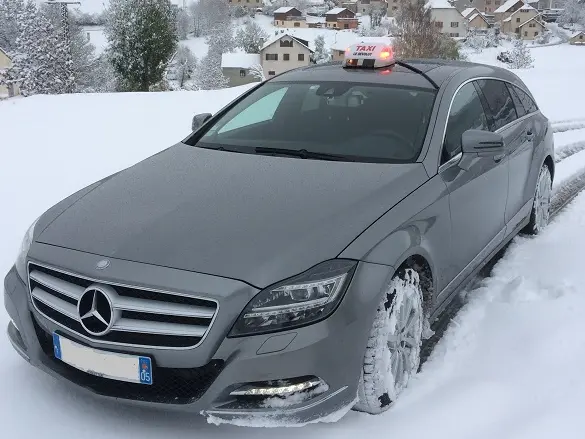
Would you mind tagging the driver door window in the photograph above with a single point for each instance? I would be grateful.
(260, 111)
(466, 113)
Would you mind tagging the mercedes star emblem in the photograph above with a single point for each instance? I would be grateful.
(104, 263)
(95, 310)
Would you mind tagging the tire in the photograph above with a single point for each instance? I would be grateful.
(540, 213)
(392, 355)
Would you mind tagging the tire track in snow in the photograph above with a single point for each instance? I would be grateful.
(567, 125)
(566, 151)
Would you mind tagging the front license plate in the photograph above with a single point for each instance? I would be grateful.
(122, 367)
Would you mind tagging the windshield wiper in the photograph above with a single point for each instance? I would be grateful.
(304, 154)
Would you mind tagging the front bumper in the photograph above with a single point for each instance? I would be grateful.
(201, 379)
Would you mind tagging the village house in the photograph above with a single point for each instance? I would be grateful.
(239, 68)
(284, 53)
(364, 7)
(578, 38)
(510, 7)
(475, 19)
(341, 18)
(531, 28)
(12, 89)
(289, 17)
(447, 18)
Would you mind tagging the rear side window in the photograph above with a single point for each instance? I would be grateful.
(499, 101)
(466, 113)
(520, 110)
(527, 101)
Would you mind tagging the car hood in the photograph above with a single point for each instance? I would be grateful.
(254, 218)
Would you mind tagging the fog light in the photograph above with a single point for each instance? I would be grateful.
(279, 388)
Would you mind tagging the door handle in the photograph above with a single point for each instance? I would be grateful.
(529, 135)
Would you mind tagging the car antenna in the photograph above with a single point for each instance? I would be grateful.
(415, 70)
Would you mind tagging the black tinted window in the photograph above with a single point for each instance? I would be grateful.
(466, 113)
(364, 121)
(520, 110)
(499, 101)
(529, 104)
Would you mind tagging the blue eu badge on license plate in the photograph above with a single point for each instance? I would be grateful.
(145, 370)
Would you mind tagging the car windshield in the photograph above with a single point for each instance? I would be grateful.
(348, 121)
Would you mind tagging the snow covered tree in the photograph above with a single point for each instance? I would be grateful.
(208, 75)
(184, 23)
(257, 72)
(251, 37)
(181, 69)
(321, 54)
(82, 51)
(419, 37)
(40, 61)
(102, 78)
(208, 15)
(9, 12)
(520, 57)
(221, 38)
(573, 13)
(376, 15)
(142, 38)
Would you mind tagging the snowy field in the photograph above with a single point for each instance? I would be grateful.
(509, 366)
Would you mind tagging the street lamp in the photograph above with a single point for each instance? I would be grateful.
(65, 19)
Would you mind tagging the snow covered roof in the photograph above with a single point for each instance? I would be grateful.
(467, 12)
(278, 37)
(507, 19)
(573, 35)
(4, 52)
(284, 10)
(335, 11)
(536, 18)
(342, 45)
(474, 16)
(439, 4)
(506, 6)
(239, 60)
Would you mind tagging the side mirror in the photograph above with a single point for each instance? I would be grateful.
(199, 120)
(482, 142)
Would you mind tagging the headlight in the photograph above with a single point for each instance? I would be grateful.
(299, 301)
(21, 259)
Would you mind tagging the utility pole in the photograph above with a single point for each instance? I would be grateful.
(64, 4)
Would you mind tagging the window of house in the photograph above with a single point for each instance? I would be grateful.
(525, 33)
(438, 23)
(346, 26)
(454, 34)
(272, 57)
(394, 8)
(454, 24)
(499, 102)
(297, 24)
(488, 2)
(518, 20)
(286, 57)
(517, 30)
(466, 113)
(242, 73)
(286, 43)
(271, 73)
(301, 57)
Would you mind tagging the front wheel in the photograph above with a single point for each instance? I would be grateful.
(540, 213)
(393, 351)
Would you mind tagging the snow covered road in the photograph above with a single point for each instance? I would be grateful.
(509, 365)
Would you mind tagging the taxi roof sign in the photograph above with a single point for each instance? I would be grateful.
(368, 55)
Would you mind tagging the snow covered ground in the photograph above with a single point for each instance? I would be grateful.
(509, 366)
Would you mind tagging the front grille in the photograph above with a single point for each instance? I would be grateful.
(140, 317)
(170, 385)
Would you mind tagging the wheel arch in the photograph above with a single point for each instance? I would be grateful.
(550, 163)
(419, 260)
